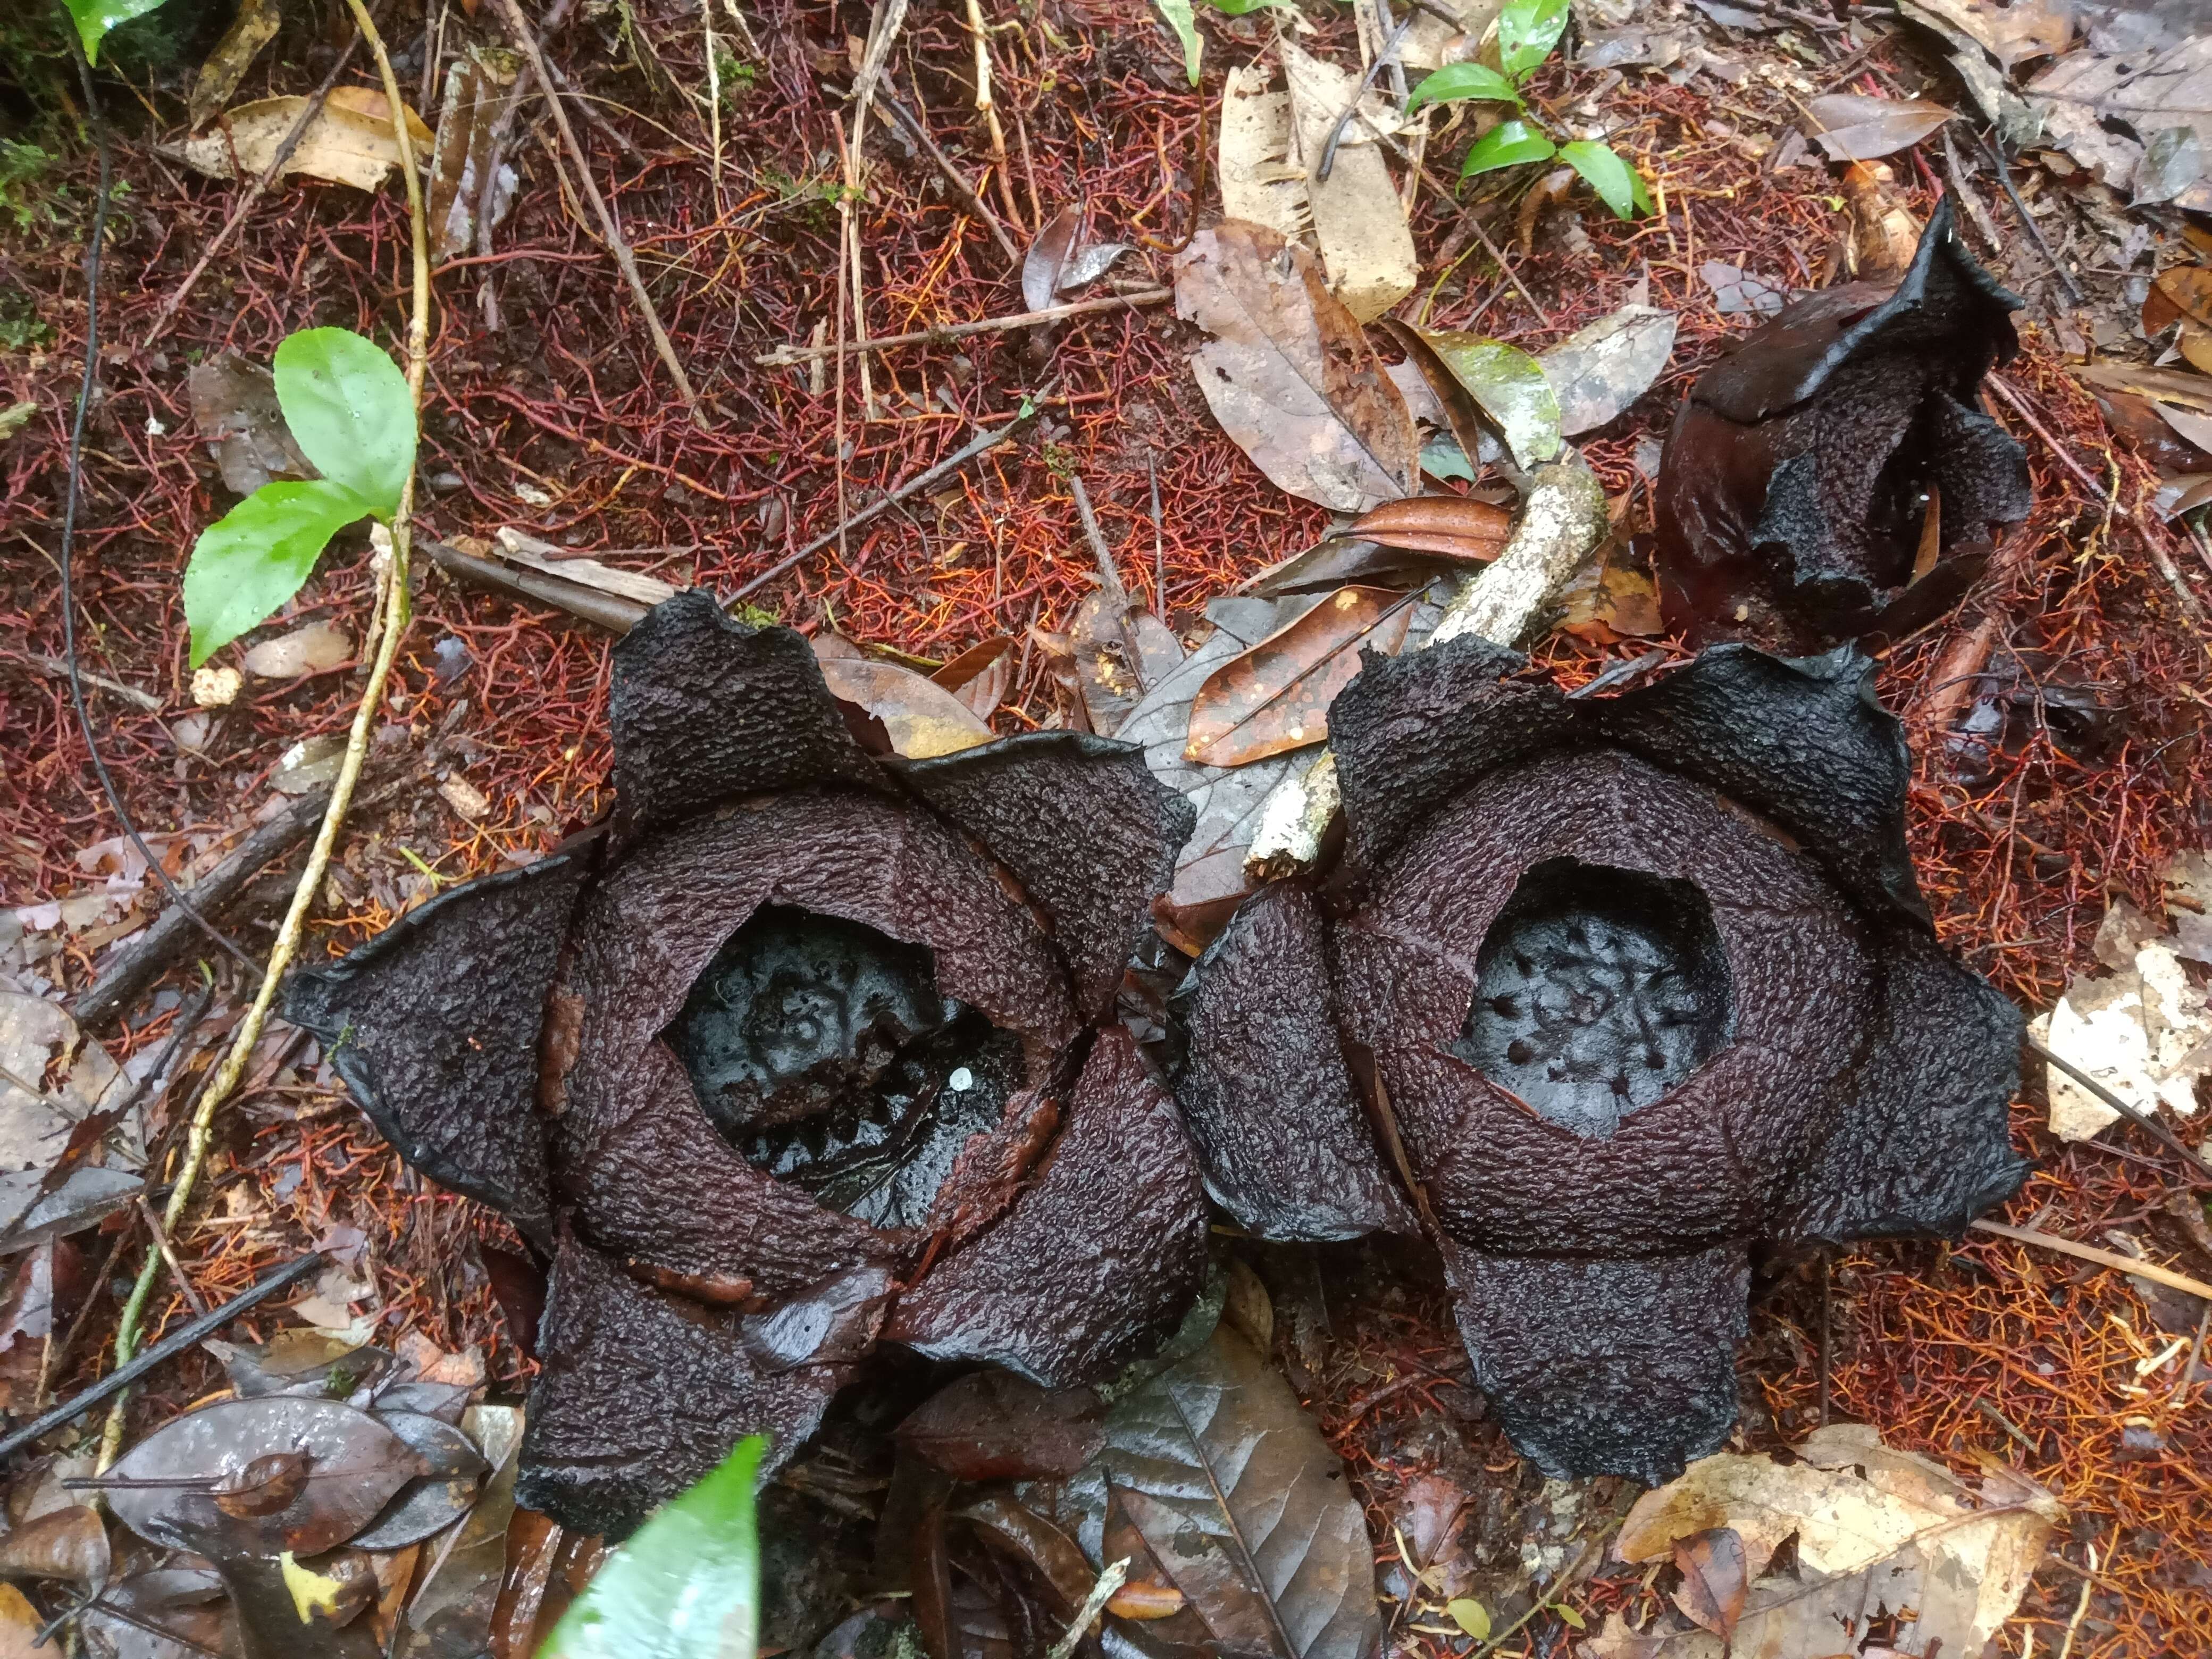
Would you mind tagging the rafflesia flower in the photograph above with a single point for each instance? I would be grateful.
(1623, 990)
(1833, 476)
(810, 1048)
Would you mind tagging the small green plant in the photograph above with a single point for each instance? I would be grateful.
(687, 1586)
(348, 409)
(20, 327)
(1527, 31)
(734, 76)
(95, 18)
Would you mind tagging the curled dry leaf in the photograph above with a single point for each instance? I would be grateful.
(919, 720)
(1288, 374)
(1276, 696)
(1879, 1534)
(2183, 294)
(348, 143)
(1858, 127)
(980, 676)
(70, 1542)
(472, 185)
(1452, 527)
(315, 649)
(1884, 233)
(1050, 256)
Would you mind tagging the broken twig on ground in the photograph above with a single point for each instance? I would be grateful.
(2126, 1264)
(787, 357)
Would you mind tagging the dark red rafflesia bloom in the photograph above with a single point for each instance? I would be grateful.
(811, 1048)
(1632, 988)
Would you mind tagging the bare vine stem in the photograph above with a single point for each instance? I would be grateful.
(393, 608)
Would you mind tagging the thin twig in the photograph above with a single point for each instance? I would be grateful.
(169, 1255)
(982, 443)
(233, 1063)
(961, 190)
(788, 356)
(71, 491)
(254, 193)
(168, 1347)
(520, 27)
(1995, 148)
(2126, 1264)
(56, 668)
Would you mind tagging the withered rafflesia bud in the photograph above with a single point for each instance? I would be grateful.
(1833, 476)
(810, 1051)
(1630, 987)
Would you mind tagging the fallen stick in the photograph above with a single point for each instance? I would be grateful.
(168, 1348)
(55, 668)
(615, 614)
(787, 357)
(2126, 1264)
(961, 190)
(982, 443)
(519, 26)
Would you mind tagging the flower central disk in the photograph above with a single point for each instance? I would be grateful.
(825, 1054)
(1598, 990)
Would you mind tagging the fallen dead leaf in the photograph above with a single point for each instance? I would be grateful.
(1599, 370)
(236, 414)
(1275, 697)
(1855, 126)
(2085, 94)
(1050, 255)
(465, 798)
(1358, 218)
(472, 185)
(1288, 374)
(980, 676)
(1259, 185)
(1884, 235)
(1454, 527)
(919, 720)
(2182, 295)
(1506, 384)
(1610, 604)
(2013, 32)
(1880, 1534)
(1120, 650)
(348, 143)
(1737, 292)
(313, 649)
(1715, 1583)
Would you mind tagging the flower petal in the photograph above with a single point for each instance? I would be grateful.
(704, 708)
(1083, 823)
(1923, 1146)
(435, 1024)
(1094, 1264)
(640, 1392)
(1284, 1140)
(1606, 1367)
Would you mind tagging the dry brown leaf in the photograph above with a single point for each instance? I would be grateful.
(1049, 255)
(1275, 696)
(1259, 185)
(315, 649)
(1855, 126)
(1288, 374)
(1610, 604)
(470, 187)
(1879, 1532)
(2013, 32)
(1358, 218)
(919, 720)
(1451, 526)
(980, 676)
(1884, 233)
(348, 143)
(1714, 1580)
(1120, 652)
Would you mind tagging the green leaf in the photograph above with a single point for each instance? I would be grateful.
(1456, 80)
(1245, 7)
(687, 1586)
(1470, 1616)
(1569, 1614)
(1442, 457)
(95, 18)
(1178, 13)
(1509, 387)
(1527, 32)
(1507, 145)
(255, 557)
(1618, 184)
(346, 403)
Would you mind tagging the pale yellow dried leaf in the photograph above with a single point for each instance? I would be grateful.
(349, 141)
(1358, 220)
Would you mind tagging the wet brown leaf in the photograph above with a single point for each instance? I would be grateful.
(1145, 1602)
(1714, 1580)
(1451, 526)
(1288, 374)
(980, 676)
(300, 1362)
(423, 1508)
(1858, 127)
(1049, 255)
(162, 1489)
(996, 1426)
(1612, 604)
(1029, 1537)
(1276, 695)
(919, 720)
(1120, 650)
(452, 1611)
(263, 1486)
(65, 1543)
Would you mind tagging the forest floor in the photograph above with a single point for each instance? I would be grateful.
(548, 412)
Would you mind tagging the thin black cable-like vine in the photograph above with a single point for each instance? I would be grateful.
(69, 498)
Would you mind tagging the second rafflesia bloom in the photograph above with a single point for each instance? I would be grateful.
(1605, 995)
(811, 1048)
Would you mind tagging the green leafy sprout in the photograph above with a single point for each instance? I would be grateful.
(346, 403)
(1528, 32)
(95, 18)
(687, 1586)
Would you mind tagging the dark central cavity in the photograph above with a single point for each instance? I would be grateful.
(823, 1051)
(1598, 990)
